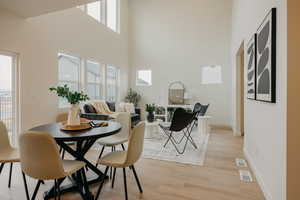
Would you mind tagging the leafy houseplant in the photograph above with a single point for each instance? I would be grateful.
(150, 108)
(74, 98)
(133, 97)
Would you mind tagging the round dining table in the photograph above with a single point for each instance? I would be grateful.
(84, 140)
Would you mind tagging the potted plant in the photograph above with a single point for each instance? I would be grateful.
(150, 108)
(133, 97)
(74, 98)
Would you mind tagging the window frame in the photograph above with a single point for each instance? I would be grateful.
(101, 84)
(79, 83)
(103, 14)
(117, 82)
(137, 76)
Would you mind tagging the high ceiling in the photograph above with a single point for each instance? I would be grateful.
(32, 8)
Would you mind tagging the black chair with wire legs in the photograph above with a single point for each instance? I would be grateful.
(182, 122)
(124, 159)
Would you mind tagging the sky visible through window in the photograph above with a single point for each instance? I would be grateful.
(5, 73)
(111, 9)
(144, 78)
(94, 10)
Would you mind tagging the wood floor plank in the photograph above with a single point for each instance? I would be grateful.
(218, 179)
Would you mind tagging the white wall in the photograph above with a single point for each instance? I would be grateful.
(265, 123)
(174, 38)
(38, 40)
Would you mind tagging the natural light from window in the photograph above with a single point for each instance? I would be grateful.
(112, 14)
(112, 83)
(212, 74)
(68, 73)
(94, 10)
(144, 78)
(94, 80)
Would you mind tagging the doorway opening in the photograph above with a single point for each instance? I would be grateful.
(8, 94)
(240, 91)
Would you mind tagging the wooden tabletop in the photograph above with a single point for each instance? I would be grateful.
(54, 130)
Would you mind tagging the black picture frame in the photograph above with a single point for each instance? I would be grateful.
(266, 59)
(251, 67)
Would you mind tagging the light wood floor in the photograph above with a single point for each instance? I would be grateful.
(218, 179)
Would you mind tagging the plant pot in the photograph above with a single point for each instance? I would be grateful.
(150, 117)
(73, 116)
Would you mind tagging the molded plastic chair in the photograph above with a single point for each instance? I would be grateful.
(120, 138)
(40, 160)
(127, 158)
(62, 117)
(7, 153)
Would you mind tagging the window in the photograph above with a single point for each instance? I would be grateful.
(144, 78)
(94, 10)
(112, 14)
(112, 83)
(212, 74)
(8, 94)
(104, 11)
(68, 73)
(88, 76)
(94, 81)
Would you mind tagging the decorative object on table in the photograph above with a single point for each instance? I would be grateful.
(80, 127)
(74, 98)
(133, 97)
(176, 93)
(251, 68)
(150, 108)
(266, 59)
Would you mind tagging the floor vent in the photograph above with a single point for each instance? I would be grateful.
(241, 163)
(245, 176)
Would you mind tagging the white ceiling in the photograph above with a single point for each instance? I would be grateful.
(32, 8)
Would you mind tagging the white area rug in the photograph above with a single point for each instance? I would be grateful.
(153, 149)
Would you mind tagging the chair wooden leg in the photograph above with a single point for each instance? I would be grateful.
(114, 177)
(10, 173)
(25, 185)
(100, 155)
(102, 183)
(137, 179)
(125, 184)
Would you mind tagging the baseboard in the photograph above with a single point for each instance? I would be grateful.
(257, 175)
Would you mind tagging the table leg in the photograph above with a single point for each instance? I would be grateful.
(79, 183)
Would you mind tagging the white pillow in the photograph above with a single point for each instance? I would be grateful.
(129, 107)
(120, 107)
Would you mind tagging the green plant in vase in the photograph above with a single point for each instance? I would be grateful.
(74, 98)
(150, 108)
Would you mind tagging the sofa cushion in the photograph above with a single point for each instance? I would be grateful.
(89, 108)
(111, 106)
